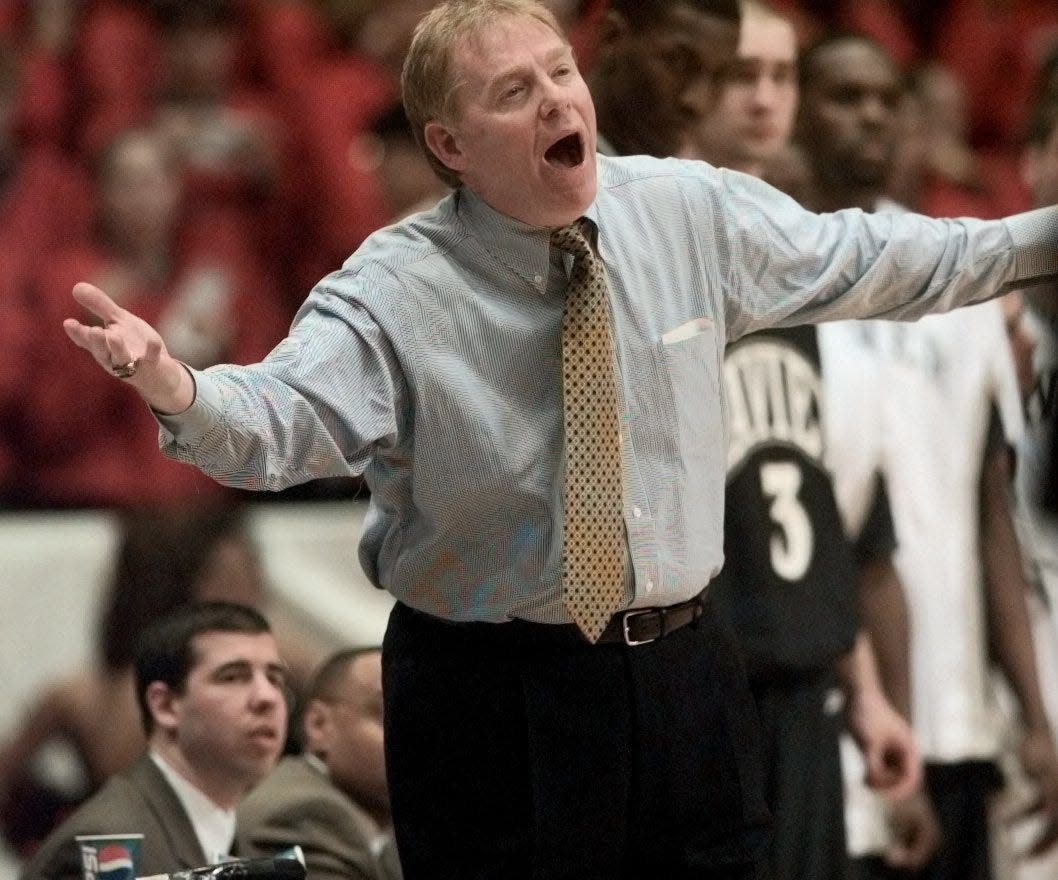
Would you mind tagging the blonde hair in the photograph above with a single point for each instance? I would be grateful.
(426, 85)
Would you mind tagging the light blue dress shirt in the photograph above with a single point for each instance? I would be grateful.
(430, 363)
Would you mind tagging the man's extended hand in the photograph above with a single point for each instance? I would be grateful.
(125, 341)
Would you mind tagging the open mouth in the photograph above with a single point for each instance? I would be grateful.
(567, 152)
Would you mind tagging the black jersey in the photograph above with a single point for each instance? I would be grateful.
(789, 582)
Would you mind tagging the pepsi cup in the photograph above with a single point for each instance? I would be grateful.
(109, 856)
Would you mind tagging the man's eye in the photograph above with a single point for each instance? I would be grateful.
(891, 100)
(785, 75)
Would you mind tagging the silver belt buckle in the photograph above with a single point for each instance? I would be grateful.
(628, 615)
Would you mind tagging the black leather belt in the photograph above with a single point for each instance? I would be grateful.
(641, 626)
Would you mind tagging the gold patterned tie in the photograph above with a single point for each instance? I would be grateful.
(593, 549)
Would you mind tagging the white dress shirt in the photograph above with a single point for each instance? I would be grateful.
(214, 825)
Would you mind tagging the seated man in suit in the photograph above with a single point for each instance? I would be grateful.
(211, 690)
(333, 799)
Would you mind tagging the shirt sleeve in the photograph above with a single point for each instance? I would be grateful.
(326, 399)
(788, 266)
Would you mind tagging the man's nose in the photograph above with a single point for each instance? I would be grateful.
(265, 692)
(555, 99)
(764, 91)
(874, 111)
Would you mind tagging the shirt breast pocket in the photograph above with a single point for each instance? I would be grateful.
(692, 361)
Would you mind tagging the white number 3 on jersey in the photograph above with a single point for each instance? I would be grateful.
(791, 551)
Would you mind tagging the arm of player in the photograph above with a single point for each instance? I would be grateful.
(883, 609)
(1010, 633)
(915, 832)
(913, 825)
(894, 766)
(126, 341)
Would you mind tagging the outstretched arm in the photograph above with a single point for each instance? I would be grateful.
(321, 404)
(133, 350)
(786, 266)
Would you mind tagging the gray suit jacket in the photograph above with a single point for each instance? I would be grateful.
(297, 804)
(136, 801)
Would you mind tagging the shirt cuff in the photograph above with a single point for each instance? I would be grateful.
(1035, 238)
(193, 423)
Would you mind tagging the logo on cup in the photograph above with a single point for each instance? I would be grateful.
(115, 863)
(109, 857)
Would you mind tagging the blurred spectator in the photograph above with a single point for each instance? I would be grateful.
(210, 687)
(1035, 337)
(942, 102)
(997, 49)
(42, 35)
(408, 182)
(936, 170)
(116, 69)
(223, 129)
(332, 800)
(905, 28)
(339, 73)
(167, 559)
(658, 72)
(87, 442)
(34, 181)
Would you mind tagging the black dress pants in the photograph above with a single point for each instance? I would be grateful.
(519, 750)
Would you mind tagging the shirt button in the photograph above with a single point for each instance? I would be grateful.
(538, 278)
(650, 586)
(636, 512)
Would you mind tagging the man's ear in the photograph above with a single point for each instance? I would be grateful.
(445, 146)
(161, 701)
(317, 724)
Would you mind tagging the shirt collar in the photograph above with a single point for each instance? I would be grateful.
(604, 145)
(524, 249)
(214, 826)
(317, 763)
